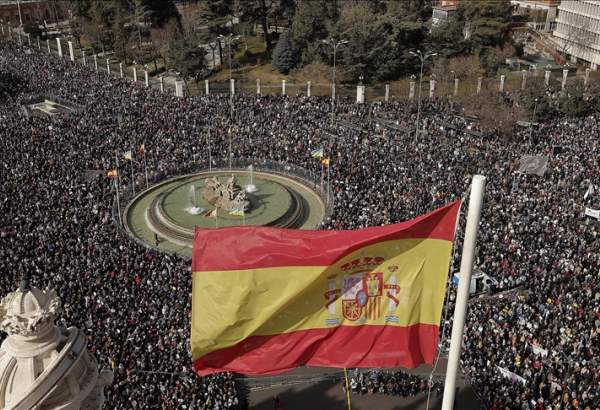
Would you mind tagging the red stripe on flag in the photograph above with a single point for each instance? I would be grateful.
(343, 346)
(251, 247)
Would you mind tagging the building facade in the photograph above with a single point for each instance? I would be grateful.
(577, 31)
(21, 12)
(443, 10)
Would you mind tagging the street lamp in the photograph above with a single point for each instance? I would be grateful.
(335, 44)
(229, 39)
(421, 57)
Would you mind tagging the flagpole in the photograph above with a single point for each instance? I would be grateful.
(117, 189)
(145, 164)
(347, 389)
(328, 179)
(462, 294)
(216, 217)
(209, 154)
(322, 190)
(131, 163)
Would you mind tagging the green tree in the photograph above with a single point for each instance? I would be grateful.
(534, 99)
(311, 23)
(160, 11)
(33, 29)
(487, 21)
(284, 54)
(447, 39)
(186, 58)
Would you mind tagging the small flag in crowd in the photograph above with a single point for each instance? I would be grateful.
(589, 192)
(317, 153)
(325, 161)
(237, 212)
(112, 173)
(127, 155)
(142, 150)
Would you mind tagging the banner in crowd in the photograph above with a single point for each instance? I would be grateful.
(511, 376)
(265, 300)
(533, 164)
(592, 213)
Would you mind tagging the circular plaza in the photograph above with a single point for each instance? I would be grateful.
(166, 214)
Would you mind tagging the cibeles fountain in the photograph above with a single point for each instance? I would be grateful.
(43, 366)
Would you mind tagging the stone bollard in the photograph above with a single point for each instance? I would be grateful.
(107, 66)
(587, 77)
(134, 74)
(387, 92)
(59, 45)
(547, 78)
(232, 86)
(146, 79)
(502, 79)
(283, 87)
(456, 87)
(333, 91)
(308, 89)
(431, 88)
(121, 70)
(83, 57)
(524, 80)
(411, 90)
(96, 62)
(161, 83)
(564, 79)
(48, 44)
(258, 86)
(28, 40)
(179, 88)
(206, 89)
(479, 82)
(360, 94)
(38, 44)
(20, 39)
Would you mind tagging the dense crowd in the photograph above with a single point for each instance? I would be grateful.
(57, 223)
(396, 383)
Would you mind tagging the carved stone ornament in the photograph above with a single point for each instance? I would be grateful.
(24, 316)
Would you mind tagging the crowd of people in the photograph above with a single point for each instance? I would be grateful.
(396, 383)
(58, 225)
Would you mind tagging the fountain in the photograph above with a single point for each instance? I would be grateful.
(250, 188)
(195, 208)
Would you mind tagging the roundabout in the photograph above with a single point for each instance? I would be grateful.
(170, 210)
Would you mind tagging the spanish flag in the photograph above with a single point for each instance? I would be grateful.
(266, 300)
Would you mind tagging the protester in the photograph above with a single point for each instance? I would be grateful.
(134, 304)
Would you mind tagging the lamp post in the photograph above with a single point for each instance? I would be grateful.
(334, 44)
(532, 120)
(421, 57)
(230, 38)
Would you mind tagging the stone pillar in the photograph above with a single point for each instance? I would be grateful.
(431, 88)
(564, 79)
(59, 45)
(20, 39)
(455, 87)
(134, 74)
(2, 27)
(283, 87)
(96, 62)
(534, 68)
(333, 91)
(83, 57)
(161, 83)
(308, 89)
(479, 82)
(28, 40)
(146, 79)
(587, 77)
(48, 45)
(258, 86)
(71, 52)
(411, 90)
(502, 79)
(524, 80)
(206, 88)
(360, 94)
(547, 77)
(387, 92)
(38, 44)
(121, 70)
(108, 66)
(232, 86)
(179, 88)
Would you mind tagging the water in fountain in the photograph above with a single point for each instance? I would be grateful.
(194, 207)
